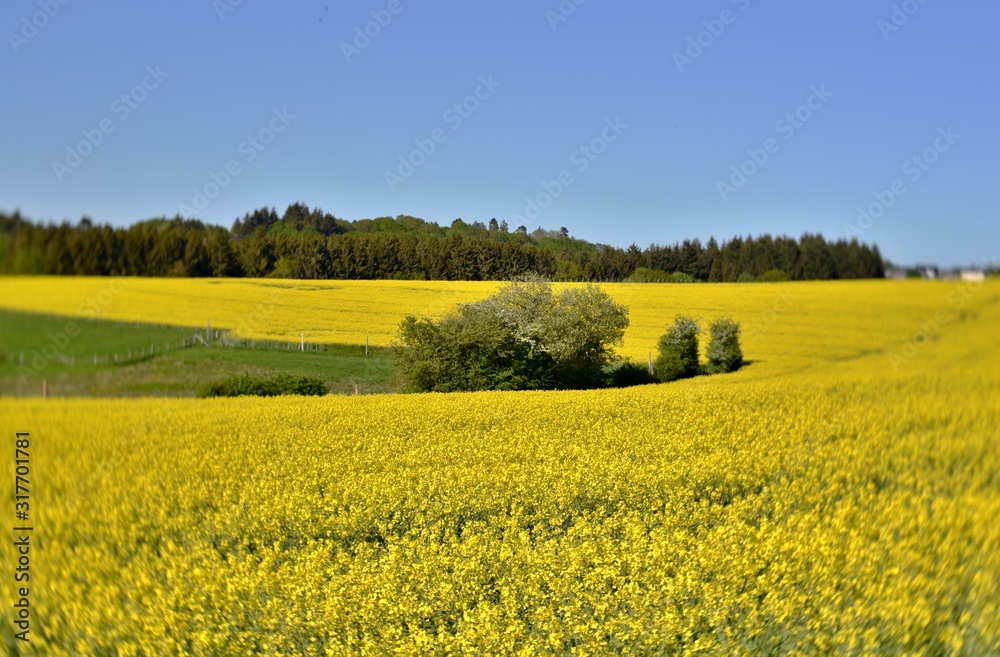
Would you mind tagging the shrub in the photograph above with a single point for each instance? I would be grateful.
(678, 349)
(522, 337)
(724, 353)
(681, 277)
(627, 374)
(773, 276)
(746, 277)
(647, 275)
(470, 350)
(281, 384)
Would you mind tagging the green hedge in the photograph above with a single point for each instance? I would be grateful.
(281, 384)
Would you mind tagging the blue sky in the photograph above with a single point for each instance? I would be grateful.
(125, 111)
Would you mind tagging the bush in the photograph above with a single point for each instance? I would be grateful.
(647, 275)
(471, 350)
(282, 384)
(681, 277)
(523, 337)
(773, 276)
(627, 374)
(724, 353)
(678, 349)
(746, 277)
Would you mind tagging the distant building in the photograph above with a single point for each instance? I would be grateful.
(973, 275)
(928, 272)
(896, 274)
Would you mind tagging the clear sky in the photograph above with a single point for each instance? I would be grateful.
(665, 99)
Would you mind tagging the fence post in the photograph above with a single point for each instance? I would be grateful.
(366, 345)
(45, 388)
(302, 342)
(651, 363)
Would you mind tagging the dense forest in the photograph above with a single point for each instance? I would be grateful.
(309, 243)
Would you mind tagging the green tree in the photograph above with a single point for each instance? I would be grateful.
(724, 352)
(522, 337)
(470, 350)
(678, 350)
(773, 276)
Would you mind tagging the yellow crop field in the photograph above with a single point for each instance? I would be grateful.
(785, 324)
(839, 495)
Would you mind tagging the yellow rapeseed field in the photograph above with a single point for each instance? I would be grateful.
(801, 321)
(839, 495)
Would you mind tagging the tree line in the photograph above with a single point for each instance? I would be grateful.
(311, 244)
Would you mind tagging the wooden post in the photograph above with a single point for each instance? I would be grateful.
(302, 342)
(366, 345)
(150, 350)
(208, 330)
(45, 388)
(651, 363)
(355, 388)
(95, 359)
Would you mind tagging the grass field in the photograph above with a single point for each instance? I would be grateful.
(122, 359)
(838, 495)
